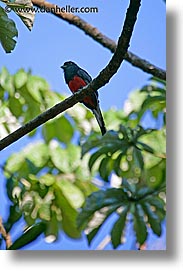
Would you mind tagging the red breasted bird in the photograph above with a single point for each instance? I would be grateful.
(76, 78)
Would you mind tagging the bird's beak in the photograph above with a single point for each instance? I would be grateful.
(63, 67)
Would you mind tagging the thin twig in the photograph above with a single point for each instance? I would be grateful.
(104, 242)
(5, 235)
(102, 39)
(102, 79)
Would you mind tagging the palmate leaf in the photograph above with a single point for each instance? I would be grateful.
(108, 140)
(7, 32)
(97, 200)
(159, 206)
(142, 203)
(139, 224)
(153, 218)
(97, 208)
(117, 230)
(98, 221)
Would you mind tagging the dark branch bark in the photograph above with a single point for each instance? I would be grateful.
(102, 39)
(103, 78)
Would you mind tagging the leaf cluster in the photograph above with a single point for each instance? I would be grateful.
(50, 183)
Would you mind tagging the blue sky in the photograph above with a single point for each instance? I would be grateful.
(53, 41)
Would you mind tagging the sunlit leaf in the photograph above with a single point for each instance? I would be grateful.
(69, 215)
(35, 85)
(60, 159)
(20, 78)
(37, 153)
(71, 192)
(59, 128)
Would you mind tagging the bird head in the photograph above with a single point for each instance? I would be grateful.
(69, 65)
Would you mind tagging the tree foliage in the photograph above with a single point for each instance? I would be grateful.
(8, 28)
(51, 183)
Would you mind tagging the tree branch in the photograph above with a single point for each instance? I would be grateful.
(5, 235)
(103, 78)
(102, 39)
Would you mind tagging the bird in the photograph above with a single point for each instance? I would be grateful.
(76, 78)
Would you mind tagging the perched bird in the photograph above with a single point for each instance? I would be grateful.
(76, 78)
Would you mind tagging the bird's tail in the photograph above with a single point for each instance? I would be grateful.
(99, 118)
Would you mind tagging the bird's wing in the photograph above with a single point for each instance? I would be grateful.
(84, 75)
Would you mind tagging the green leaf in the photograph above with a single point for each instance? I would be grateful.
(157, 202)
(30, 160)
(71, 192)
(35, 85)
(156, 140)
(110, 140)
(158, 80)
(59, 128)
(138, 158)
(146, 147)
(66, 160)
(95, 156)
(97, 200)
(14, 215)
(153, 103)
(37, 153)
(69, 214)
(105, 168)
(136, 99)
(6, 82)
(31, 234)
(15, 106)
(47, 179)
(11, 182)
(117, 230)
(129, 187)
(64, 129)
(20, 78)
(155, 175)
(60, 158)
(153, 219)
(74, 156)
(97, 222)
(149, 89)
(139, 224)
(116, 164)
(14, 163)
(159, 205)
(7, 32)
